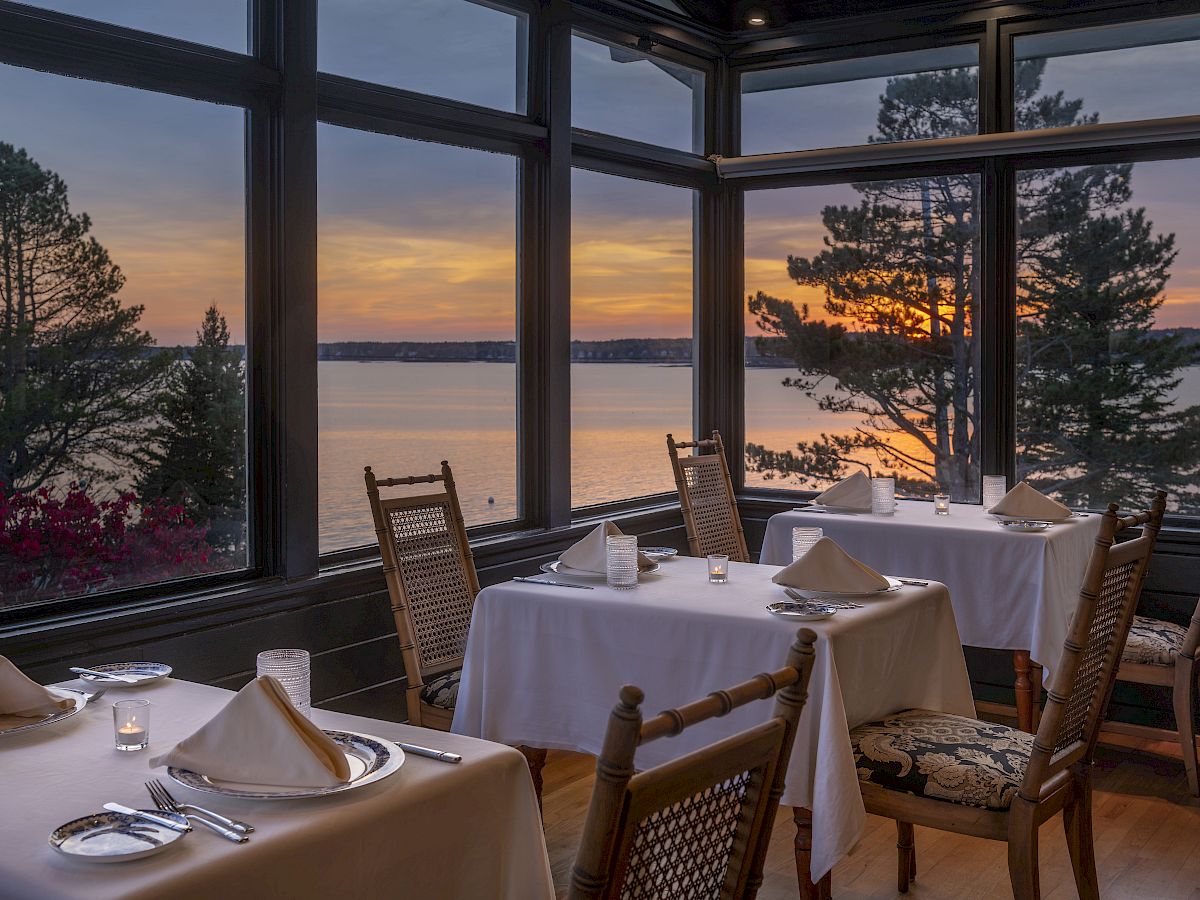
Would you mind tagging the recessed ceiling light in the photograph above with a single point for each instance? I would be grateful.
(756, 18)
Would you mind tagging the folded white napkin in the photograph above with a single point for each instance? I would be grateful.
(828, 568)
(19, 696)
(588, 555)
(1030, 503)
(260, 738)
(853, 492)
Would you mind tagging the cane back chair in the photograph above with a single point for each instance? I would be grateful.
(697, 827)
(706, 499)
(992, 781)
(431, 579)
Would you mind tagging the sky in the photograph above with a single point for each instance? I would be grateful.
(417, 241)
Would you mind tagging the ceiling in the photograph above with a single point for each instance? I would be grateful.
(732, 15)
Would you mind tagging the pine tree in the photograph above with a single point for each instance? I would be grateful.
(197, 454)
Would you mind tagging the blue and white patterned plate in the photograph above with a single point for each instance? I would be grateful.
(659, 554)
(145, 672)
(109, 837)
(16, 725)
(370, 759)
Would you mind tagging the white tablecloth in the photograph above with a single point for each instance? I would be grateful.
(544, 665)
(1011, 590)
(431, 830)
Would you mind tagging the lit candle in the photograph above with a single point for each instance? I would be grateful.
(941, 504)
(131, 719)
(718, 568)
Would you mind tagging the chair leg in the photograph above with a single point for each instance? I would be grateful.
(536, 758)
(809, 890)
(1183, 697)
(1077, 821)
(1023, 852)
(906, 856)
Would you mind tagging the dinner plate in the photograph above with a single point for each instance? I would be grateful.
(370, 758)
(556, 567)
(145, 672)
(23, 723)
(659, 554)
(1001, 517)
(109, 837)
(1025, 525)
(894, 584)
(803, 612)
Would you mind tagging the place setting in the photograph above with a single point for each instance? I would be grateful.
(824, 579)
(605, 555)
(1026, 509)
(26, 705)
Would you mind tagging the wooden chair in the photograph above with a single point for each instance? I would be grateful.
(997, 782)
(706, 499)
(698, 826)
(430, 575)
(1164, 653)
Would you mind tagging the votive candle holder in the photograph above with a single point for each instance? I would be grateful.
(718, 568)
(131, 724)
(941, 504)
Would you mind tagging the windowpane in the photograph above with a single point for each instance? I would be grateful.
(217, 23)
(1109, 74)
(875, 99)
(416, 323)
(458, 49)
(631, 325)
(861, 349)
(1108, 361)
(622, 92)
(122, 430)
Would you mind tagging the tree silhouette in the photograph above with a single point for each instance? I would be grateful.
(75, 370)
(901, 352)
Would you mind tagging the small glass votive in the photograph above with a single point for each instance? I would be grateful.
(803, 540)
(883, 496)
(291, 669)
(941, 504)
(131, 724)
(994, 489)
(718, 568)
(621, 561)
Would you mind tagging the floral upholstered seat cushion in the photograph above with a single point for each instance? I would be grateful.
(943, 757)
(1153, 642)
(442, 690)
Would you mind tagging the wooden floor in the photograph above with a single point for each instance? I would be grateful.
(1147, 841)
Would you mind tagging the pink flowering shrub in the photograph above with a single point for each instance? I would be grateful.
(61, 543)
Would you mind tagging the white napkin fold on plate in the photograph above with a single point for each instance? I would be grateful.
(1029, 503)
(852, 492)
(588, 555)
(20, 696)
(828, 568)
(260, 738)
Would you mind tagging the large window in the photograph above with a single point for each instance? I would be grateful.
(122, 335)
(631, 326)
(417, 324)
(862, 350)
(1108, 361)
(880, 99)
(459, 49)
(219, 23)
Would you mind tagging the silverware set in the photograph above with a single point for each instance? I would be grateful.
(815, 601)
(230, 829)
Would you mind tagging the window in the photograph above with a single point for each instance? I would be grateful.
(630, 94)
(458, 49)
(875, 99)
(416, 323)
(218, 23)
(1109, 74)
(861, 350)
(1108, 351)
(122, 335)
(631, 325)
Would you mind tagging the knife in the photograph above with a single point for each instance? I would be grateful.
(526, 580)
(440, 755)
(113, 676)
(149, 817)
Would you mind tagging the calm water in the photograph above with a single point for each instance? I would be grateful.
(402, 418)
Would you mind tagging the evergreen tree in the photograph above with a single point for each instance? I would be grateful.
(75, 370)
(197, 453)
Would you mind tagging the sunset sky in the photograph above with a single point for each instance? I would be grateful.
(417, 240)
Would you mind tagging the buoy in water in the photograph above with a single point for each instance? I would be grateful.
(491, 499)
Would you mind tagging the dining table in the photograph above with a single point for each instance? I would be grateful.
(1011, 590)
(544, 663)
(429, 830)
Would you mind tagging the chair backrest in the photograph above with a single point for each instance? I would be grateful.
(1082, 683)
(697, 827)
(1191, 640)
(429, 570)
(706, 499)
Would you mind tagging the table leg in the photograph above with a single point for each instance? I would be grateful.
(822, 890)
(1023, 686)
(536, 758)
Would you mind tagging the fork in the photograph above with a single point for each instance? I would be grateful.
(231, 829)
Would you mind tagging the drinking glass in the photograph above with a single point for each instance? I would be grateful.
(718, 568)
(994, 489)
(131, 724)
(941, 504)
(621, 561)
(291, 669)
(883, 496)
(803, 540)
